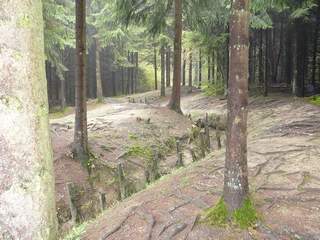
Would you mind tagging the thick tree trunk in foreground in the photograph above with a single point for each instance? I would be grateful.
(174, 103)
(98, 72)
(163, 70)
(236, 187)
(80, 148)
(155, 68)
(27, 201)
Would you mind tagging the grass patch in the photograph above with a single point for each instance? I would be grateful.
(57, 112)
(244, 217)
(140, 151)
(314, 100)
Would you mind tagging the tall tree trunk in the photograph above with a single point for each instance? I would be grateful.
(136, 72)
(174, 103)
(80, 144)
(184, 68)
(98, 72)
(215, 68)
(62, 94)
(132, 72)
(302, 45)
(190, 71)
(267, 64)
(128, 75)
(261, 77)
(168, 66)
(315, 47)
(276, 67)
(122, 80)
(155, 68)
(113, 82)
(209, 68)
(200, 69)
(163, 70)
(27, 200)
(236, 187)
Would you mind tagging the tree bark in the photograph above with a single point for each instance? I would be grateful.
(190, 71)
(62, 94)
(168, 66)
(27, 200)
(261, 77)
(200, 69)
(184, 68)
(267, 64)
(80, 144)
(155, 68)
(98, 72)
(209, 68)
(163, 70)
(315, 47)
(174, 103)
(236, 187)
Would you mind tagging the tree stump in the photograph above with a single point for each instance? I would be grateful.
(71, 200)
(122, 182)
(179, 162)
(102, 201)
(152, 168)
(203, 145)
(207, 133)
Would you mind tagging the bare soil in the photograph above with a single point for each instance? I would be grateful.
(283, 157)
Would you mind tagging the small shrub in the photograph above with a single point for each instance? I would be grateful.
(315, 100)
(213, 89)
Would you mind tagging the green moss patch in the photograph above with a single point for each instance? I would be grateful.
(315, 100)
(244, 217)
(217, 215)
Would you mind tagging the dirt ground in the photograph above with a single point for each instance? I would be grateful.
(283, 157)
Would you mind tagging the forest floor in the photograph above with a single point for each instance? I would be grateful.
(283, 158)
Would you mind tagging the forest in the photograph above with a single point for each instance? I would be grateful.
(159, 119)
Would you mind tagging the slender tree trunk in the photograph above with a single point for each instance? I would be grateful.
(168, 67)
(80, 145)
(63, 93)
(200, 69)
(174, 103)
(184, 68)
(113, 82)
(136, 71)
(27, 200)
(261, 77)
(98, 72)
(209, 68)
(128, 75)
(190, 71)
(132, 73)
(163, 70)
(122, 80)
(276, 68)
(215, 68)
(267, 64)
(236, 187)
(155, 68)
(315, 47)
(301, 56)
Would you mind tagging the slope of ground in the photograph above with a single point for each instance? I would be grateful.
(119, 131)
(283, 155)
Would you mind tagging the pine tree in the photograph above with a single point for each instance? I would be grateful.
(236, 187)
(27, 202)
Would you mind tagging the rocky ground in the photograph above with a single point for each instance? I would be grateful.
(283, 156)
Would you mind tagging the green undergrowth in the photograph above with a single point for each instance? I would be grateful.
(314, 100)
(213, 89)
(76, 232)
(244, 217)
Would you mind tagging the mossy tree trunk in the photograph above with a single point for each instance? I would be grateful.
(236, 187)
(174, 103)
(27, 202)
(80, 145)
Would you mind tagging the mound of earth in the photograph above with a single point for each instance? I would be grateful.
(283, 158)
